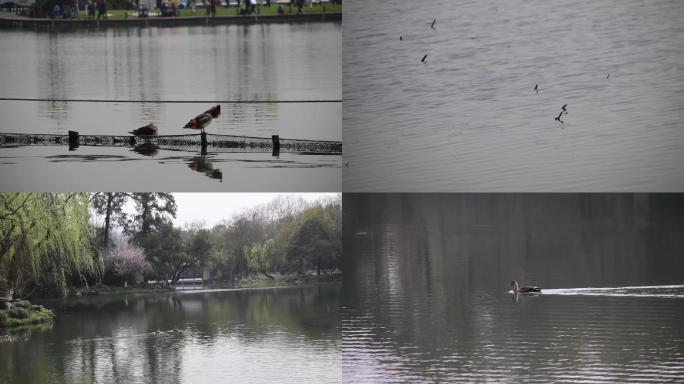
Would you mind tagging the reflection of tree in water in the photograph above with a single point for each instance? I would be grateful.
(118, 339)
(253, 314)
(55, 67)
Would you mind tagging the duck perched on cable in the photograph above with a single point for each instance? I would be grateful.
(524, 289)
(202, 120)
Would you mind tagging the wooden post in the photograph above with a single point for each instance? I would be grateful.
(73, 140)
(276, 145)
(203, 136)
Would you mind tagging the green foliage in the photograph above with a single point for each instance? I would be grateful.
(152, 213)
(171, 255)
(23, 304)
(18, 312)
(260, 256)
(24, 317)
(4, 318)
(45, 238)
(314, 242)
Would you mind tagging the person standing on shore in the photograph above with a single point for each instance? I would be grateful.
(90, 8)
(101, 9)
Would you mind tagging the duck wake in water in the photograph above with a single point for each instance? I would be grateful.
(664, 291)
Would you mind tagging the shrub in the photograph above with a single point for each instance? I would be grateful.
(18, 313)
(23, 304)
(4, 318)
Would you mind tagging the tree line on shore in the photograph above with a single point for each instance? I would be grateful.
(51, 242)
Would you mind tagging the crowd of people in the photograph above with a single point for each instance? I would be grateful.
(97, 9)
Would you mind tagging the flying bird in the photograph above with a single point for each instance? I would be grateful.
(148, 130)
(433, 24)
(608, 77)
(424, 57)
(202, 120)
(563, 108)
(536, 89)
(559, 118)
(401, 38)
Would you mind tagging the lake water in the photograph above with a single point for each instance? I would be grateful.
(470, 120)
(195, 67)
(285, 335)
(426, 281)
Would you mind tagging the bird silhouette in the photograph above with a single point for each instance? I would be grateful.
(559, 118)
(401, 38)
(433, 24)
(424, 57)
(148, 130)
(563, 108)
(202, 120)
(536, 89)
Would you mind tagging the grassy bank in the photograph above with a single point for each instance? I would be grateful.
(261, 281)
(23, 313)
(221, 11)
(252, 281)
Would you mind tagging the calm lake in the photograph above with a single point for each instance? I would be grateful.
(293, 70)
(426, 281)
(469, 120)
(283, 335)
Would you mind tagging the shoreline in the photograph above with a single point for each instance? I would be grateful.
(54, 24)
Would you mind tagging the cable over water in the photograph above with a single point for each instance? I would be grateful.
(171, 101)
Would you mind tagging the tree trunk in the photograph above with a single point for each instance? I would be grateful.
(6, 297)
(267, 275)
(108, 218)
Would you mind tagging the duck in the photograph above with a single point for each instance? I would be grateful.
(148, 130)
(524, 289)
(202, 120)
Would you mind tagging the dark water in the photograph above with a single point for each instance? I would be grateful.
(288, 335)
(469, 119)
(426, 288)
(219, 64)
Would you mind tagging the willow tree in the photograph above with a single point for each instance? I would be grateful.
(45, 239)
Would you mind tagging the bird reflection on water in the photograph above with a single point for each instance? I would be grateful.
(147, 149)
(201, 164)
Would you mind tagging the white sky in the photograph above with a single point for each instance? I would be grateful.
(212, 208)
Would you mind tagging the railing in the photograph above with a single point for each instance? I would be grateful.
(217, 143)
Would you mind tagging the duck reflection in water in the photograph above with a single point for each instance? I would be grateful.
(147, 149)
(201, 164)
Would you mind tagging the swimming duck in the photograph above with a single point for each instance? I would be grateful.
(524, 289)
(148, 130)
(202, 120)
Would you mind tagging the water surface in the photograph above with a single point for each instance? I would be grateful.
(288, 335)
(470, 120)
(427, 278)
(139, 71)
